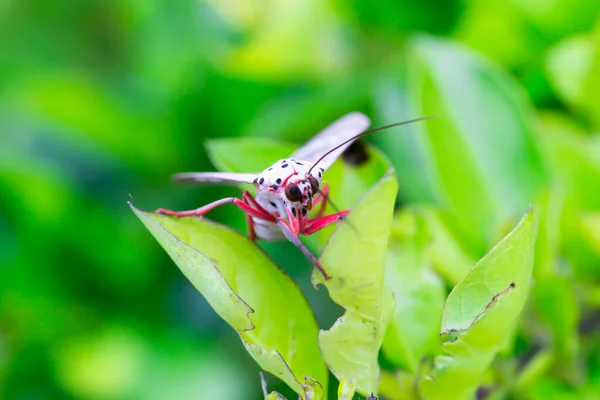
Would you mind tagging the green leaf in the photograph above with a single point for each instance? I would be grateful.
(248, 291)
(480, 310)
(398, 386)
(574, 160)
(482, 167)
(355, 258)
(312, 389)
(419, 294)
(575, 163)
(556, 305)
(346, 389)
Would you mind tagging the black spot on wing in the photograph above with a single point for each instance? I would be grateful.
(284, 165)
(273, 204)
(294, 211)
(262, 180)
(278, 181)
(356, 154)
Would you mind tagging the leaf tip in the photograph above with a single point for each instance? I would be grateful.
(136, 210)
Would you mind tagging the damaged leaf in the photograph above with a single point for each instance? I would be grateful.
(355, 258)
(258, 300)
(479, 312)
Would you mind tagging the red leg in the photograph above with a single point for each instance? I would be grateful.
(296, 223)
(319, 223)
(247, 197)
(259, 213)
(250, 224)
(285, 228)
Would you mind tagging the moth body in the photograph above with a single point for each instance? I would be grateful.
(271, 195)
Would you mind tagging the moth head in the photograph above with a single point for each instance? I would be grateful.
(302, 191)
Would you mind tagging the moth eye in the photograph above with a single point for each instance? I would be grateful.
(314, 184)
(293, 192)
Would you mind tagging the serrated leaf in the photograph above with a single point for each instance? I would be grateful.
(355, 258)
(248, 291)
(418, 292)
(479, 311)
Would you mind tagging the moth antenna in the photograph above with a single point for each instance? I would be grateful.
(326, 197)
(365, 133)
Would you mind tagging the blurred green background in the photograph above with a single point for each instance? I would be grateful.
(101, 101)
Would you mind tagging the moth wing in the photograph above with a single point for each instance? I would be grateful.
(226, 178)
(340, 131)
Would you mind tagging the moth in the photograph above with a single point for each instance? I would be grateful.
(291, 187)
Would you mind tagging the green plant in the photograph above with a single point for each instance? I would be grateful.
(277, 326)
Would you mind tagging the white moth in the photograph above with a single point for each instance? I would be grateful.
(290, 188)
